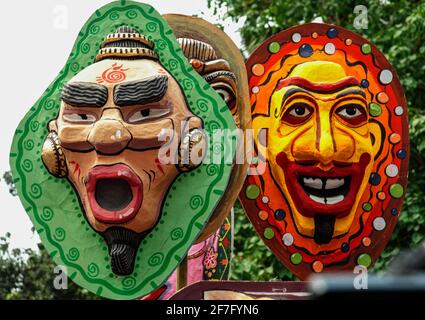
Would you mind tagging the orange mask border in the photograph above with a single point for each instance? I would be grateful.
(380, 204)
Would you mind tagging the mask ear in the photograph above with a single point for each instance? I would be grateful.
(52, 154)
(377, 135)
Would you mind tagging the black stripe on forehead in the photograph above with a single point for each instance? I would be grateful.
(151, 89)
(84, 94)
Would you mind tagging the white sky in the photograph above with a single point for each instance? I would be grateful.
(35, 46)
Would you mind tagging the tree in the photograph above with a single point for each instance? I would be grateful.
(397, 28)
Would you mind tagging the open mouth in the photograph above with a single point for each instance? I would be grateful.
(318, 192)
(114, 193)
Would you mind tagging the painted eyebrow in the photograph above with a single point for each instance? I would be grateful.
(150, 89)
(84, 94)
(292, 91)
(351, 91)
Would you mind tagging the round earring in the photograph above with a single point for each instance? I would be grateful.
(53, 156)
(194, 141)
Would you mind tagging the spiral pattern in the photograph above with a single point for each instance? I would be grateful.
(29, 144)
(213, 125)
(27, 165)
(173, 64)
(196, 201)
(34, 125)
(160, 44)
(212, 169)
(73, 254)
(202, 104)
(59, 234)
(35, 191)
(113, 76)
(47, 214)
(93, 270)
(75, 66)
(132, 14)
(187, 84)
(94, 29)
(128, 282)
(85, 48)
(151, 26)
(114, 16)
(49, 104)
(218, 148)
(156, 259)
(176, 234)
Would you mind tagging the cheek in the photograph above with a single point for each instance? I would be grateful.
(302, 143)
(352, 143)
(79, 164)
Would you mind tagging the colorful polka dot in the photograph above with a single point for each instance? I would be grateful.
(364, 260)
(385, 76)
(345, 247)
(364, 83)
(379, 224)
(274, 47)
(374, 109)
(391, 170)
(348, 42)
(252, 191)
(395, 138)
(317, 266)
(366, 241)
(382, 97)
(381, 195)
(280, 214)
(257, 69)
(398, 111)
(332, 33)
(296, 258)
(263, 215)
(367, 206)
(268, 233)
(401, 154)
(396, 190)
(296, 37)
(394, 211)
(374, 179)
(329, 48)
(366, 48)
(288, 239)
(255, 89)
(305, 51)
(314, 35)
(265, 199)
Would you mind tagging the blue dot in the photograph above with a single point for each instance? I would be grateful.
(345, 247)
(394, 211)
(332, 33)
(374, 179)
(279, 214)
(364, 83)
(401, 154)
(305, 51)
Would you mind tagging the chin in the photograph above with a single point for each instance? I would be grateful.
(324, 196)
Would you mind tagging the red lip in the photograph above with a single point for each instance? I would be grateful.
(352, 173)
(107, 186)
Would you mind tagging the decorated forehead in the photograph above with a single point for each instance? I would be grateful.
(53, 204)
(328, 65)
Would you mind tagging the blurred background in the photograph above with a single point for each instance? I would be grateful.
(47, 31)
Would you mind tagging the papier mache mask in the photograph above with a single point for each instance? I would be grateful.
(334, 148)
(86, 158)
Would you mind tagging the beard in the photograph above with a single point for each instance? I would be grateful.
(122, 247)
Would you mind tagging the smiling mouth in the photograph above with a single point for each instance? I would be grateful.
(325, 190)
(114, 193)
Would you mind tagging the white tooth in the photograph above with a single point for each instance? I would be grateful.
(317, 199)
(333, 200)
(313, 183)
(334, 183)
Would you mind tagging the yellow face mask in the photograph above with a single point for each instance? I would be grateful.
(319, 147)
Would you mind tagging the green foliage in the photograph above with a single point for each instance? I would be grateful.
(29, 274)
(397, 28)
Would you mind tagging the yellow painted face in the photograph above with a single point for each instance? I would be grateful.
(319, 146)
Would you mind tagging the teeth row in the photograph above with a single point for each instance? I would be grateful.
(329, 200)
(317, 183)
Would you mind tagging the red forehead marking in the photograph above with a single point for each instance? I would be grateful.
(317, 87)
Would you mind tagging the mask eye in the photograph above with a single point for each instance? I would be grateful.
(147, 113)
(298, 113)
(354, 114)
(79, 117)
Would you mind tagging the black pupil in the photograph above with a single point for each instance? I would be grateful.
(351, 111)
(300, 111)
(83, 116)
(145, 112)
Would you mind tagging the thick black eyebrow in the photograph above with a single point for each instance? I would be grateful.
(84, 94)
(150, 89)
(291, 91)
(351, 91)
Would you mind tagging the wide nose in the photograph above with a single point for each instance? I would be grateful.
(109, 135)
(325, 148)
